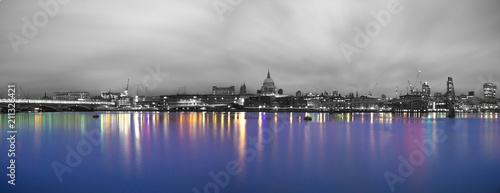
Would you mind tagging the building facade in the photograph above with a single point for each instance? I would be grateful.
(243, 89)
(223, 90)
(71, 96)
(110, 95)
(298, 94)
(426, 89)
(490, 90)
(450, 88)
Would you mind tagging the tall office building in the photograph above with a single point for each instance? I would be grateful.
(426, 89)
(490, 90)
(471, 93)
(450, 88)
(298, 93)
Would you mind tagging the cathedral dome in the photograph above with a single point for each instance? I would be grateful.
(268, 85)
(268, 82)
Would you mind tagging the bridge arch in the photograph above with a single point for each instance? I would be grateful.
(44, 107)
(78, 107)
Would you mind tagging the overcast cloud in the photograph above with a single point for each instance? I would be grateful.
(95, 45)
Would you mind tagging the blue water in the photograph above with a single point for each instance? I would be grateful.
(252, 152)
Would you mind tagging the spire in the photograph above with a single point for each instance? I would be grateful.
(268, 74)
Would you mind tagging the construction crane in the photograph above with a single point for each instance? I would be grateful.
(137, 90)
(125, 93)
(411, 87)
(416, 80)
(181, 90)
(370, 93)
(128, 81)
(25, 96)
(414, 86)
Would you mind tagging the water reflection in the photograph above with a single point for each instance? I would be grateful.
(184, 147)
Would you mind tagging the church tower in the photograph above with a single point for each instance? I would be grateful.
(243, 89)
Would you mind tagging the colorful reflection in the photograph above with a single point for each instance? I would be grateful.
(176, 148)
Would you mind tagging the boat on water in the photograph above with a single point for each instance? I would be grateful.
(307, 118)
(96, 116)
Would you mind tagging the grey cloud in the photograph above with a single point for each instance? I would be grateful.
(96, 45)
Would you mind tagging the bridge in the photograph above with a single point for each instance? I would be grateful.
(52, 105)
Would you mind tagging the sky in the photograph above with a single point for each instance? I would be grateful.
(94, 46)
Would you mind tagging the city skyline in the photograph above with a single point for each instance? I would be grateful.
(130, 90)
(94, 46)
(267, 96)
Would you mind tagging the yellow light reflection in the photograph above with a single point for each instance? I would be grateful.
(38, 131)
(137, 134)
(260, 133)
(242, 140)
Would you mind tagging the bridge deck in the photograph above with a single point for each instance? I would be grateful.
(41, 101)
